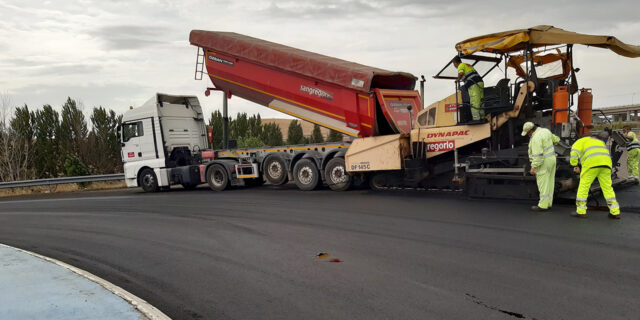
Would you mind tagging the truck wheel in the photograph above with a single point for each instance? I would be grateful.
(217, 178)
(336, 175)
(306, 175)
(275, 171)
(148, 180)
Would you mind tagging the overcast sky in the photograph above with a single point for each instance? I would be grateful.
(119, 53)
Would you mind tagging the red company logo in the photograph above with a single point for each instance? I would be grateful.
(450, 107)
(438, 146)
(448, 134)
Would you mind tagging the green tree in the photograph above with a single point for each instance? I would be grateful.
(103, 141)
(73, 166)
(316, 135)
(295, 134)
(250, 142)
(254, 126)
(73, 129)
(216, 123)
(47, 162)
(271, 134)
(335, 136)
(239, 127)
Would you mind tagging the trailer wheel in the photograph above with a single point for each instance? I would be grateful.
(148, 180)
(336, 175)
(217, 178)
(275, 171)
(306, 175)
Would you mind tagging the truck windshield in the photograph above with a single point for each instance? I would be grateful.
(131, 130)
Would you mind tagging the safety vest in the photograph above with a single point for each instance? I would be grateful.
(541, 146)
(590, 152)
(634, 144)
(470, 75)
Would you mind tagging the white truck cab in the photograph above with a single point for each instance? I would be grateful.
(162, 142)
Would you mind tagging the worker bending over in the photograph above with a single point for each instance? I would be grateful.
(633, 153)
(543, 162)
(593, 155)
(475, 86)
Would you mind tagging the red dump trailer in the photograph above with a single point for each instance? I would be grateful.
(351, 98)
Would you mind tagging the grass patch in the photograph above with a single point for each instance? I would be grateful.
(62, 188)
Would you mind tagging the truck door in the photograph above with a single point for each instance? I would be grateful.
(131, 134)
(148, 148)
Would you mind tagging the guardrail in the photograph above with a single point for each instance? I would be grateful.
(52, 181)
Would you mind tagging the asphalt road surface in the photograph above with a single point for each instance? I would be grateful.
(252, 254)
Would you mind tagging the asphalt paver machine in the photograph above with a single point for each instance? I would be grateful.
(529, 75)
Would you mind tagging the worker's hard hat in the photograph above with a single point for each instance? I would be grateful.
(527, 127)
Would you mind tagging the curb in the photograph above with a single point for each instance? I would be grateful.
(146, 309)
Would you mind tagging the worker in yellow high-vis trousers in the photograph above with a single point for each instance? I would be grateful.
(543, 162)
(633, 153)
(593, 155)
(475, 87)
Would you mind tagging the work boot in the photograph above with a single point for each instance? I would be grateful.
(538, 209)
(577, 215)
(614, 216)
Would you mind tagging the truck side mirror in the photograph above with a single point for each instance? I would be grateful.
(119, 132)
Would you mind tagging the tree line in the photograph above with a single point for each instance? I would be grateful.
(44, 143)
(249, 132)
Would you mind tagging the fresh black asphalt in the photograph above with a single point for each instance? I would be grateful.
(252, 254)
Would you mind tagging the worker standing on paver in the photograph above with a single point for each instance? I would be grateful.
(633, 153)
(593, 155)
(475, 86)
(543, 162)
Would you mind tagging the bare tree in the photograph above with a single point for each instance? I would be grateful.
(21, 136)
(16, 142)
(5, 107)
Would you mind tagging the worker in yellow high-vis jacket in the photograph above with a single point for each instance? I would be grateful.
(633, 153)
(475, 87)
(593, 155)
(543, 162)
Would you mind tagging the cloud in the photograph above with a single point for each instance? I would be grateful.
(72, 69)
(131, 37)
(335, 10)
